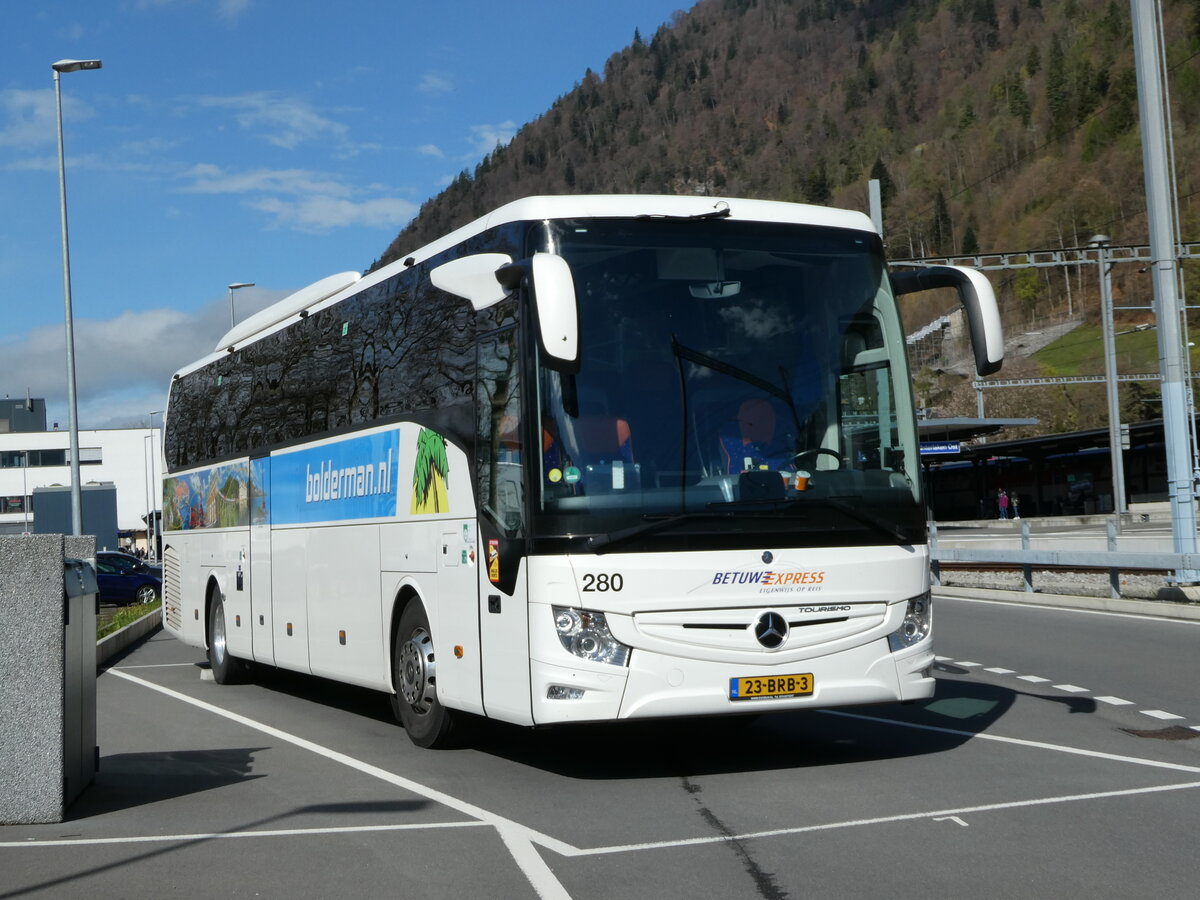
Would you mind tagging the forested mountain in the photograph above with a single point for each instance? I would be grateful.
(992, 125)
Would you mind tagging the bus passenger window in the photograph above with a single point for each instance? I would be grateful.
(499, 456)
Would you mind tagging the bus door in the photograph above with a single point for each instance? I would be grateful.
(501, 461)
(260, 559)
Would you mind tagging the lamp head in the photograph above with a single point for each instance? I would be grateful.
(74, 65)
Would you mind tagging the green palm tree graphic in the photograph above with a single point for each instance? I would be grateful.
(429, 474)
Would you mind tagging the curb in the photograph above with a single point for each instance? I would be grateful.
(1159, 609)
(112, 644)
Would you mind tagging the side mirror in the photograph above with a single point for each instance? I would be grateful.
(978, 299)
(553, 292)
(473, 278)
(557, 309)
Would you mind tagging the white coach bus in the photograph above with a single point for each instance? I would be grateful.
(587, 458)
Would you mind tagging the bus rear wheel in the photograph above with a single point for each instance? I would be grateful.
(414, 676)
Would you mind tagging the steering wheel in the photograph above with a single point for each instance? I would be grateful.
(817, 451)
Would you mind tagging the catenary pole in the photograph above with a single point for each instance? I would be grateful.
(1164, 272)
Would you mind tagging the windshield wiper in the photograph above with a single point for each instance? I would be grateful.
(858, 515)
(602, 543)
(722, 212)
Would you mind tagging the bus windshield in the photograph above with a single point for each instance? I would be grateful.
(739, 383)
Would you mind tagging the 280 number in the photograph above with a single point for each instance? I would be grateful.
(603, 583)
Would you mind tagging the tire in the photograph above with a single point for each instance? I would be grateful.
(226, 669)
(145, 594)
(414, 678)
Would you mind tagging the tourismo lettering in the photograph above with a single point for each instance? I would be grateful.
(330, 483)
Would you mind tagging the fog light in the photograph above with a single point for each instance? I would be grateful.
(585, 634)
(918, 621)
(561, 692)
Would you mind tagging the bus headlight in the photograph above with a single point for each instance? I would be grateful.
(585, 634)
(918, 620)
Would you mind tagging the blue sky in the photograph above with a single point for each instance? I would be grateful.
(265, 141)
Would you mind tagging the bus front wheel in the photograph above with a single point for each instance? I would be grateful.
(414, 676)
(226, 669)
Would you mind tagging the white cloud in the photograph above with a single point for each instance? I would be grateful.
(123, 365)
(27, 118)
(317, 214)
(283, 121)
(435, 84)
(486, 138)
(303, 200)
(431, 150)
(206, 178)
(230, 10)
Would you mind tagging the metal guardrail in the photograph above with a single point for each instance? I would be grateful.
(1112, 560)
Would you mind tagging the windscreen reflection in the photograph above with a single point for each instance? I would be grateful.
(735, 378)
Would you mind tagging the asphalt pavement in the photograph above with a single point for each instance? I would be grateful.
(1020, 778)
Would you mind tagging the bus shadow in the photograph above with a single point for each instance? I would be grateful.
(751, 743)
(333, 694)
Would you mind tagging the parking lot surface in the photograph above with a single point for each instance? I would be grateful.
(294, 786)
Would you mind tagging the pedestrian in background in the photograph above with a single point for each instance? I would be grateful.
(1002, 502)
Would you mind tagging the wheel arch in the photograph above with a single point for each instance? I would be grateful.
(212, 589)
(406, 593)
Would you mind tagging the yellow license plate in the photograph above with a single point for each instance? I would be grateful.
(763, 687)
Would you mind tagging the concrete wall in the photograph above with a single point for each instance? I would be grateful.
(47, 691)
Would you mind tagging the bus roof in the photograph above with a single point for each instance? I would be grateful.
(328, 291)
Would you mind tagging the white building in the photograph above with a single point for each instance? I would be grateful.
(128, 458)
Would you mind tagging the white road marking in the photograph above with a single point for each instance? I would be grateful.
(162, 666)
(952, 819)
(1035, 679)
(1020, 742)
(1071, 688)
(968, 665)
(521, 847)
(540, 877)
(882, 820)
(520, 840)
(999, 671)
(222, 835)
(1114, 701)
(1159, 714)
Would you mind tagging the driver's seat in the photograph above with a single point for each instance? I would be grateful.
(751, 440)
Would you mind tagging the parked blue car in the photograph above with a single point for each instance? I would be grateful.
(122, 578)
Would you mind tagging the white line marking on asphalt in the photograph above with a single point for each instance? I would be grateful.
(517, 841)
(1020, 742)
(1114, 701)
(1064, 609)
(999, 671)
(952, 819)
(158, 666)
(221, 835)
(1071, 688)
(968, 665)
(1159, 714)
(542, 880)
(1036, 679)
(883, 820)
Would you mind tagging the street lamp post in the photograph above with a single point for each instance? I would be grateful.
(69, 65)
(1116, 454)
(237, 285)
(155, 493)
